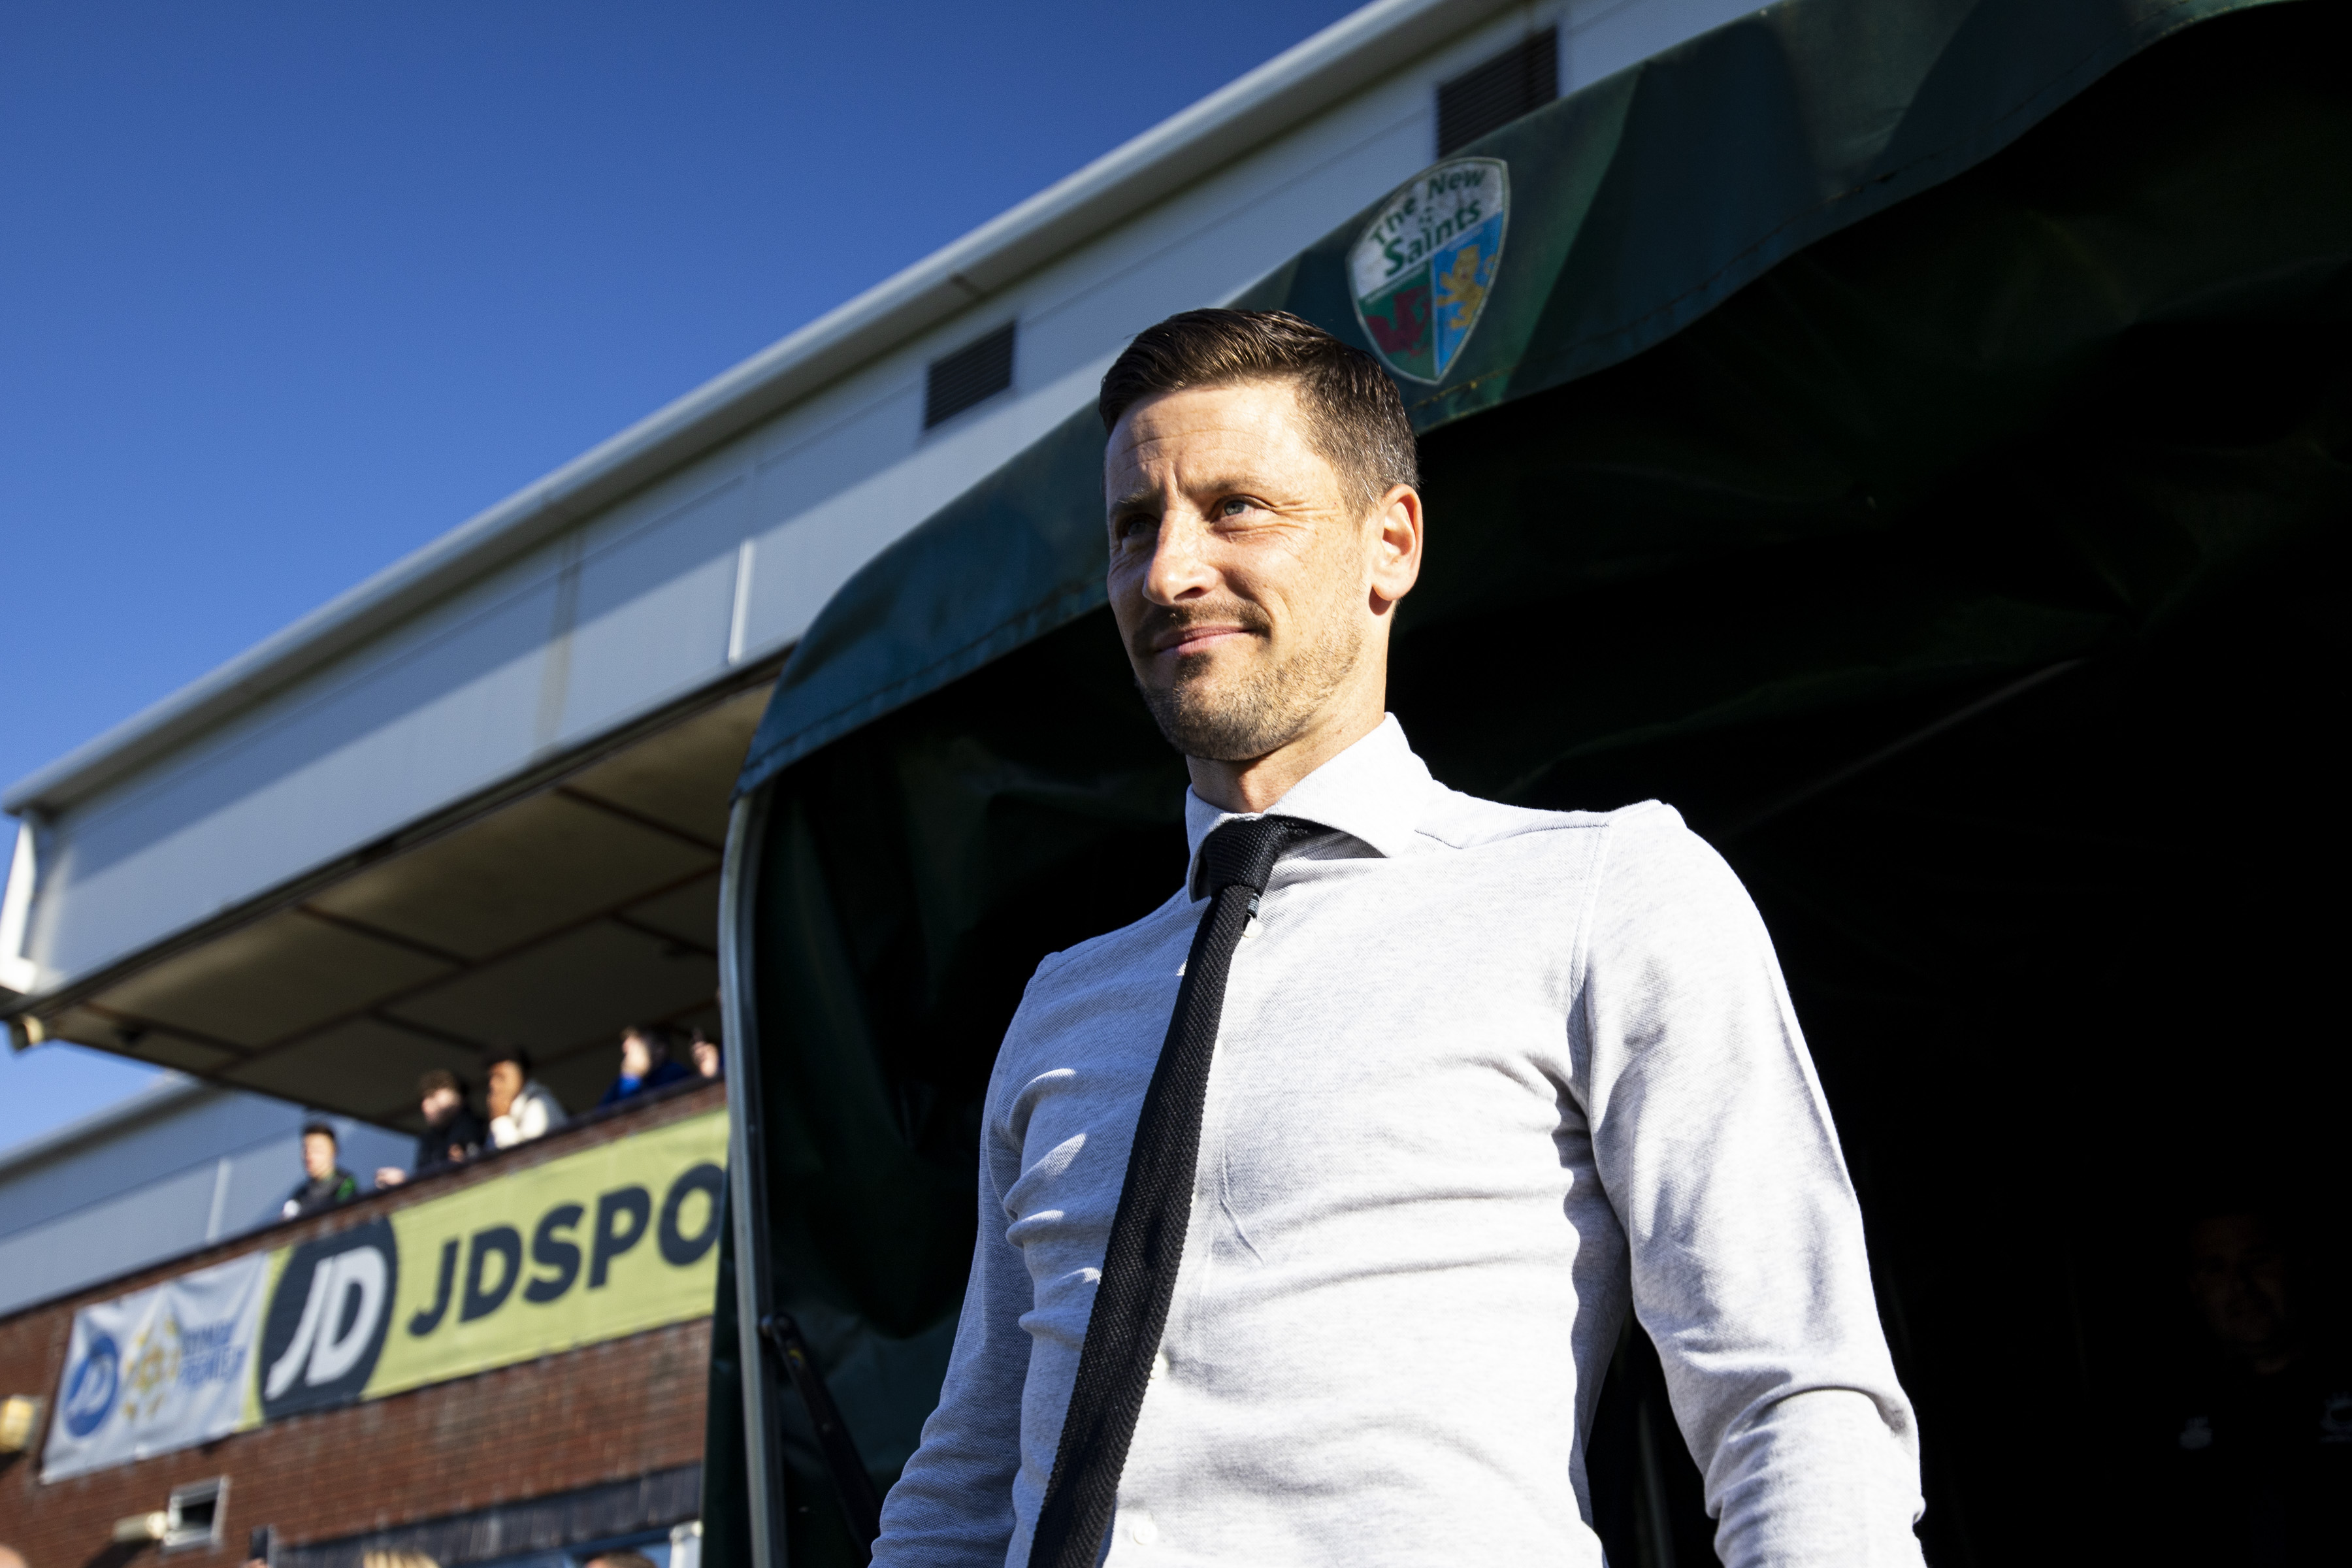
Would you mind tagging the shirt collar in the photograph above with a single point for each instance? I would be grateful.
(1373, 791)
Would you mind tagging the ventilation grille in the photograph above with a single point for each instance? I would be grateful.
(973, 374)
(1520, 81)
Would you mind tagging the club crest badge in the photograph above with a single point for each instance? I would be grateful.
(1422, 269)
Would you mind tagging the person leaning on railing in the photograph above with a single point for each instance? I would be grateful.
(648, 1061)
(324, 1183)
(521, 1107)
(453, 1134)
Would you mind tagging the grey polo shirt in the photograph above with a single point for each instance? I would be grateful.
(1485, 1077)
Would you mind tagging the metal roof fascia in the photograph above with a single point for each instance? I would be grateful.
(451, 817)
(1300, 82)
(140, 1106)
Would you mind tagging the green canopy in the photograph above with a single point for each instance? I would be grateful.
(1942, 567)
(1639, 205)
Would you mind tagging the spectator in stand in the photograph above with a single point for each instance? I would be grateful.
(325, 1184)
(707, 1059)
(2257, 1428)
(520, 1105)
(646, 1063)
(453, 1134)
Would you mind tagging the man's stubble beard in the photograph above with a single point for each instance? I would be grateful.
(1269, 705)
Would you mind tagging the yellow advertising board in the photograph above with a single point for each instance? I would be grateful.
(608, 1241)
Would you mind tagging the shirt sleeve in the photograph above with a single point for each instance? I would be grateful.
(534, 1112)
(1717, 1150)
(952, 1506)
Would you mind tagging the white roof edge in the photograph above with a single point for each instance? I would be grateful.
(140, 1105)
(1301, 81)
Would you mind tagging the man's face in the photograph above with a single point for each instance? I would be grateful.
(506, 1082)
(2237, 1276)
(318, 1155)
(438, 1105)
(1241, 577)
(636, 1056)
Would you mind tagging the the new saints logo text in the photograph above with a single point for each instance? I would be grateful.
(1422, 269)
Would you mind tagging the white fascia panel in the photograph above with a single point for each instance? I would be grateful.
(295, 783)
(17, 973)
(106, 1238)
(145, 1150)
(622, 615)
(650, 615)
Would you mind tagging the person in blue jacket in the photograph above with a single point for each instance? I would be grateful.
(647, 1062)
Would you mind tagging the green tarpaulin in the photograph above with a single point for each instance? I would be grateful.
(1910, 438)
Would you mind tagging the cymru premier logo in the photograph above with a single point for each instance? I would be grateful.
(1421, 268)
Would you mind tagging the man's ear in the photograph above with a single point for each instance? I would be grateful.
(1396, 547)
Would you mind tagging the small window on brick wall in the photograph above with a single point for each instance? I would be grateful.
(193, 1516)
(973, 374)
(1520, 81)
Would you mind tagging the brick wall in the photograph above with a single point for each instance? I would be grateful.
(606, 1412)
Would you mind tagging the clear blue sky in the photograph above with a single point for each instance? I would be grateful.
(286, 290)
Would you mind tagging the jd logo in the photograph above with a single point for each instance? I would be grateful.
(1422, 269)
(91, 1387)
(565, 1239)
(327, 1319)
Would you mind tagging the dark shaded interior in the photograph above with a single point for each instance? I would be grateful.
(1974, 581)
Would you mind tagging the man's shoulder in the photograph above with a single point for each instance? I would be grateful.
(1075, 992)
(1114, 950)
(1460, 821)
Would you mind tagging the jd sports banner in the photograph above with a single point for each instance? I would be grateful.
(599, 1244)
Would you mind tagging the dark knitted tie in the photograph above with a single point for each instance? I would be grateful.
(1147, 1238)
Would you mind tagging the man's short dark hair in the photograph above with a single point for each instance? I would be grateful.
(435, 1079)
(515, 1054)
(661, 1036)
(316, 1129)
(1355, 415)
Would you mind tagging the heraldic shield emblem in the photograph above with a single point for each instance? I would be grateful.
(1421, 268)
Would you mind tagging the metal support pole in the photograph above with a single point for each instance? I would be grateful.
(853, 1486)
(747, 1178)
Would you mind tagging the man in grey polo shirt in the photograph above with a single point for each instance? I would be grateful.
(1438, 1088)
